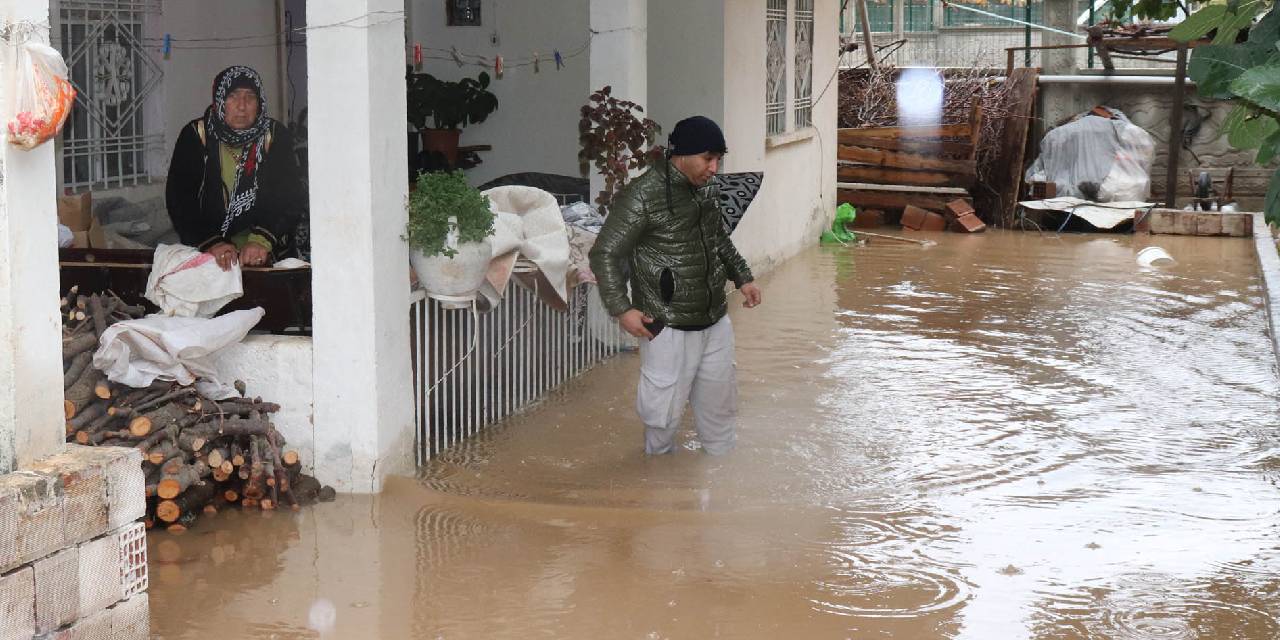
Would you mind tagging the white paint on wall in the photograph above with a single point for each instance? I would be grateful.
(278, 369)
(31, 418)
(536, 125)
(360, 280)
(687, 55)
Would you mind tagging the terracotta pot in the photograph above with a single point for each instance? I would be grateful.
(444, 141)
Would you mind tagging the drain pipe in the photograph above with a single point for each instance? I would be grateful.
(1113, 80)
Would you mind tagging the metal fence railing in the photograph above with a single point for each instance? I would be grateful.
(471, 369)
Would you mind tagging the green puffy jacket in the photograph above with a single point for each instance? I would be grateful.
(680, 255)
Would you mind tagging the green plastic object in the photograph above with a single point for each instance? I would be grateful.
(845, 214)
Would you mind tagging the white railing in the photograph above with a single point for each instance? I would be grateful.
(473, 369)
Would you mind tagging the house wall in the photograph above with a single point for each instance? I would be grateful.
(536, 125)
(797, 198)
(686, 61)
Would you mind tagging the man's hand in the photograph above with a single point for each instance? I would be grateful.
(632, 321)
(752, 294)
(254, 255)
(224, 253)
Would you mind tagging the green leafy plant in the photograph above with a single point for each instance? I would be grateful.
(448, 104)
(438, 197)
(616, 140)
(1244, 70)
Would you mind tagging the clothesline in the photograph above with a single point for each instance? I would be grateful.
(1013, 20)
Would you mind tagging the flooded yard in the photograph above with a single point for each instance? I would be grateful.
(1004, 436)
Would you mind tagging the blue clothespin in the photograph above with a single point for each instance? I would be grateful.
(559, 60)
(168, 45)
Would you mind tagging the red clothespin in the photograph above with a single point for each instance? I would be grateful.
(497, 66)
(417, 54)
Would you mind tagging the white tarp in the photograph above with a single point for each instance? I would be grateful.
(528, 222)
(1102, 216)
(1108, 159)
(139, 352)
(188, 283)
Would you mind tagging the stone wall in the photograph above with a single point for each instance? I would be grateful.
(73, 554)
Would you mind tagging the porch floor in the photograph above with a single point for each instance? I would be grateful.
(1009, 435)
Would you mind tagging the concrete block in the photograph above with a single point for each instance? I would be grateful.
(126, 486)
(1237, 225)
(84, 487)
(132, 542)
(99, 575)
(1208, 224)
(31, 512)
(96, 626)
(57, 596)
(132, 619)
(17, 605)
(1142, 221)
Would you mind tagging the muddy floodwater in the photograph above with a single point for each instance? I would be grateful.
(1004, 436)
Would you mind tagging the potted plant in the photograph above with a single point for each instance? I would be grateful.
(617, 141)
(448, 234)
(439, 109)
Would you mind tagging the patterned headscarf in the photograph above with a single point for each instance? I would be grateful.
(253, 139)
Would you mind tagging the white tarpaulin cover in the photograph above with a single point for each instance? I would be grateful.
(1102, 216)
(188, 283)
(528, 222)
(1111, 156)
(139, 352)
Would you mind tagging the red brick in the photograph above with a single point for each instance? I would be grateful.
(914, 217)
(934, 222)
(869, 219)
(958, 207)
(968, 223)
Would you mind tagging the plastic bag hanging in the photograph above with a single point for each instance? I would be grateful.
(42, 98)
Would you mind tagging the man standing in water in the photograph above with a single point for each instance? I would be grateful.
(666, 226)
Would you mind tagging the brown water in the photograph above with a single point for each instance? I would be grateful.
(1003, 436)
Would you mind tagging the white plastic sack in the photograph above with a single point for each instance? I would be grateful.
(187, 283)
(139, 352)
(1113, 154)
(65, 237)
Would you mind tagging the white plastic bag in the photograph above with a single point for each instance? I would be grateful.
(42, 98)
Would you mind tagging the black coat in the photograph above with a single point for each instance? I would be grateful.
(194, 193)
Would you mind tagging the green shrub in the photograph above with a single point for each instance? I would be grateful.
(438, 197)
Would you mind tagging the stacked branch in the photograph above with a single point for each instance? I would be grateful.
(199, 454)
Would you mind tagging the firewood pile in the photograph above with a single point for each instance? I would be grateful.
(199, 454)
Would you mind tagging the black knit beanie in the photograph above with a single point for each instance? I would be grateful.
(694, 135)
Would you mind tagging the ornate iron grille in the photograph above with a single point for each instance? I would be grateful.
(775, 104)
(105, 142)
(804, 64)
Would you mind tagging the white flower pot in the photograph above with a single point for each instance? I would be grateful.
(454, 280)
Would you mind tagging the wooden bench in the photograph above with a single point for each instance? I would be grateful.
(891, 167)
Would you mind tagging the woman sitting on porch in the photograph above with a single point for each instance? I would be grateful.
(234, 188)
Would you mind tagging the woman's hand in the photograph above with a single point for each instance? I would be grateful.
(254, 255)
(224, 253)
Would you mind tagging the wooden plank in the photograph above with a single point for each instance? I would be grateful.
(858, 173)
(852, 135)
(867, 186)
(905, 160)
(893, 199)
(932, 147)
(1006, 174)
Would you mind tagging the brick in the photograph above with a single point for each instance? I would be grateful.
(31, 508)
(869, 219)
(99, 575)
(126, 486)
(958, 207)
(84, 487)
(1142, 221)
(969, 223)
(17, 605)
(934, 222)
(914, 217)
(57, 596)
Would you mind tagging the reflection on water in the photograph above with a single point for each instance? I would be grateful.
(1002, 436)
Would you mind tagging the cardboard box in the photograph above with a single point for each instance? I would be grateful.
(79, 239)
(76, 212)
(97, 236)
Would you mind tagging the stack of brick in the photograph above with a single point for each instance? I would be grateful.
(959, 217)
(73, 554)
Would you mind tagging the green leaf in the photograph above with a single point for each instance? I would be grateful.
(1270, 147)
(1260, 85)
(1199, 23)
(1267, 31)
(1233, 23)
(1214, 66)
(1272, 203)
(1247, 127)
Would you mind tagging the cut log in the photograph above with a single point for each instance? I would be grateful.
(102, 389)
(290, 458)
(99, 314)
(79, 345)
(80, 393)
(68, 409)
(161, 452)
(190, 501)
(176, 483)
(91, 412)
(157, 418)
(76, 368)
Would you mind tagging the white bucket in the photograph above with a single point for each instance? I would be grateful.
(1155, 257)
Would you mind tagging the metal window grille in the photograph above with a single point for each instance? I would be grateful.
(472, 370)
(1018, 10)
(775, 104)
(804, 64)
(105, 142)
(917, 16)
(879, 16)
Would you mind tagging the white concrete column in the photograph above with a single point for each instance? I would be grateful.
(360, 273)
(1059, 14)
(31, 419)
(619, 54)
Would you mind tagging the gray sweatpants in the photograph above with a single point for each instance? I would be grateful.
(679, 366)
